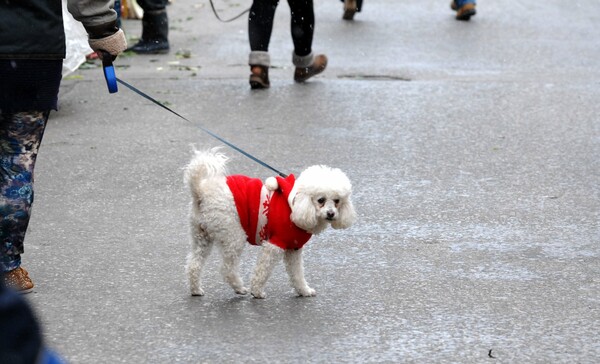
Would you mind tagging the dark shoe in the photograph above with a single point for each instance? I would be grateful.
(304, 73)
(150, 47)
(350, 8)
(259, 77)
(464, 12)
(155, 33)
(18, 280)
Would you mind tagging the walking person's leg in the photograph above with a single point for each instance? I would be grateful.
(260, 27)
(20, 138)
(302, 28)
(155, 28)
(465, 9)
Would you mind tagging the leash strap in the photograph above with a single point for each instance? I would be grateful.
(228, 20)
(149, 98)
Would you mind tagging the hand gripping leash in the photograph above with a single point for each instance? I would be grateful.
(111, 82)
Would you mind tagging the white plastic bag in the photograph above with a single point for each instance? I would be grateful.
(76, 40)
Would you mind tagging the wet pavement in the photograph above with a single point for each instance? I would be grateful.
(473, 149)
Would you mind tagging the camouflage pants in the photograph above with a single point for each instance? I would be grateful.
(20, 137)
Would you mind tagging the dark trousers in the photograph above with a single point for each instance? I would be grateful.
(358, 4)
(152, 5)
(260, 25)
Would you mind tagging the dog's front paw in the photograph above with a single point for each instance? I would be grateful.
(197, 292)
(307, 292)
(258, 294)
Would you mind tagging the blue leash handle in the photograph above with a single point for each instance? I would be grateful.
(109, 72)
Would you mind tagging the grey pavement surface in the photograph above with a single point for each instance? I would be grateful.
(474, 153)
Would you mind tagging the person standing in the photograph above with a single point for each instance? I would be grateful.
(32, 49)
(465, 9)
(155, 28)
(260, 26)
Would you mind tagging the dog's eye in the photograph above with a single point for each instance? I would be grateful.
(321, 200)
(336, 201)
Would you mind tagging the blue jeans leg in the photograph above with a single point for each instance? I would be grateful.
(460, 3)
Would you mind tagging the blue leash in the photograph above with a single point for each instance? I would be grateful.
(111, 82)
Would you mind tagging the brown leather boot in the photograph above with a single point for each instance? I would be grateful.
(464, 12)
(350, 8)
(259, 77)
(18, 280)
(304, 73)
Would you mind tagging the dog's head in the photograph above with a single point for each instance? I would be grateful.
(321, 197)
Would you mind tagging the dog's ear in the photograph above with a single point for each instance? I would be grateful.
(347, 215)
(304, 213)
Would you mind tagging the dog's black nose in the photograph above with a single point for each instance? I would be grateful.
(330, 215)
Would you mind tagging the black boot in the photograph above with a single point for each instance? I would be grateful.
(155, 32)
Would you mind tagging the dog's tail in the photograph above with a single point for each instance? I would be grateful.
(203, 166)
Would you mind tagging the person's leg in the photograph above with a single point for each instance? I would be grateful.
(354, 5)
(465, 9)
(460, 3)
(260, 27)
(260, 24)
(350, 8)
(303, 25)
(155, 28)
(20, 138)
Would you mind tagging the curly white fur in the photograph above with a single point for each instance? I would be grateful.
(320, 197)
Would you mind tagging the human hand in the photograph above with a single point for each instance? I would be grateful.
(113, 44)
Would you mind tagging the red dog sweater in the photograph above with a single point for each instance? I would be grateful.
(264, 214)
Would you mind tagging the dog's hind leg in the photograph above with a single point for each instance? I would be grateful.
(232, 252)
(201, 248)
(269, 257)
(295, 269)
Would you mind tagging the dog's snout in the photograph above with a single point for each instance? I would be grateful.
(330, 215)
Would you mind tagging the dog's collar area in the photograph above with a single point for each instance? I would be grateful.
(292, 195)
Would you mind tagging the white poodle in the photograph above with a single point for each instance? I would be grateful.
(280, 216)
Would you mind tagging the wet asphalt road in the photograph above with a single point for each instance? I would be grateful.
(473, 149)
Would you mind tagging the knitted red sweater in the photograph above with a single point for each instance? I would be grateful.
(264, 214)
